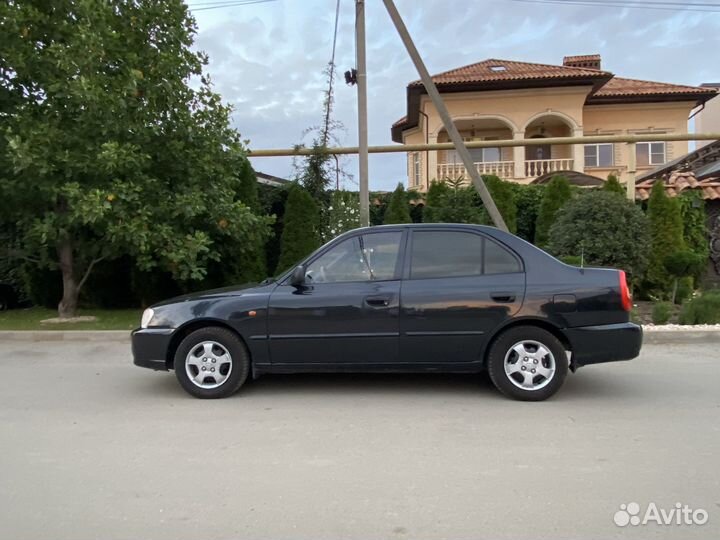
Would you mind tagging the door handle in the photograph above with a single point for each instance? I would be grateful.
(377, 301)
(504, 297)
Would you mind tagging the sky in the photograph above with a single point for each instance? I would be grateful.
(267, 59)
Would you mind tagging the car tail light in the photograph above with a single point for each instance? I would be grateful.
(625, 296)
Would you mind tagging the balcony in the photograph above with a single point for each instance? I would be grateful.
(505, 169)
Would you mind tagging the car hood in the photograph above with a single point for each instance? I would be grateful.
(234, 290)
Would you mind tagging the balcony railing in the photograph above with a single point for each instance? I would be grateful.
(538, 167)
(503, 169)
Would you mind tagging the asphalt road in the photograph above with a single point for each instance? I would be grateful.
(92, 447)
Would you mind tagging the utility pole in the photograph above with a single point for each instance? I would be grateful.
(362, 112)
(452, 131)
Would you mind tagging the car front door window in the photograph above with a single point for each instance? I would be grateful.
(360, 258)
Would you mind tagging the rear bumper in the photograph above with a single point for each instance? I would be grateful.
(605, 343)
(150, 347)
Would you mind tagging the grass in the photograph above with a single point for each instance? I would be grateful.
(107, 319)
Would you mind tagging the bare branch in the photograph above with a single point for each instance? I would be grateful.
(87, 272)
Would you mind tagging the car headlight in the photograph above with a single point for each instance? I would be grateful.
(147, 316)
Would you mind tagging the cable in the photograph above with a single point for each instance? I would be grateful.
(205, 6)
(680, 6)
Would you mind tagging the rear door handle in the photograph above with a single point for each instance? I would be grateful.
(503, 296)
(377, 301)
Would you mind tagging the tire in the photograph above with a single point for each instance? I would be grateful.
(223, 356)
(532, 373)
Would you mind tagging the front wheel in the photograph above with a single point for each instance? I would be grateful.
(527, 363)
(211, 363)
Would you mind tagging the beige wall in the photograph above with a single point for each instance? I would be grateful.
(708, 119)
(563, 111)
(637, 119)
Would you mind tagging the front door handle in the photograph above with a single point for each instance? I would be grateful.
(377, 301)
(503, 297)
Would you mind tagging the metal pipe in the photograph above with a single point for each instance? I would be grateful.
(362, 113)
(421, 147)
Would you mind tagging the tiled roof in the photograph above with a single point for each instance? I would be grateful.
(506, 70)
(677, 183)
(400, 121)
(619, 86)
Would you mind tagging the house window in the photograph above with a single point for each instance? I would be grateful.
(478, 155)
(416, 168)
(650, 153)
(599, 155)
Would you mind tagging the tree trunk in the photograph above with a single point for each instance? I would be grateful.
(71, 291)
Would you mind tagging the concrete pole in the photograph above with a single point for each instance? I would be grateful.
(362, 113)
(631, 170)
(452, 131)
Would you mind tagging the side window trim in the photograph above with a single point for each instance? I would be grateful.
(407, 266)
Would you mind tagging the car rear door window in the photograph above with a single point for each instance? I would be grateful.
(445, 254)
(368, 257)
(456, 253)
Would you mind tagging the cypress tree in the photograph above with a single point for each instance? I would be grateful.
(397, 210)
(557, 193)
(300, 232)
(613, 185)
(666, 237)
(502, 194)
(253, 266)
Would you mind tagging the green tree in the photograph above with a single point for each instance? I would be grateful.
(605, 229)
(397, 210)
(452, 202)
(666, 239)
(695, 231)
(106, 149)
(527, 202)
(556, 195)
(343, 213)
(613, 185)
(504, 197)
(253, 265)
(300, 236)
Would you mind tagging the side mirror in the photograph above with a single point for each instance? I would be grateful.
(297, 278)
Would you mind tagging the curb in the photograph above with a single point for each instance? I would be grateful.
(680, 337)
(60, 335)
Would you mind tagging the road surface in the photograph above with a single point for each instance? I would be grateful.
(93, 447)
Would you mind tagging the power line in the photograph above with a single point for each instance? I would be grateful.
(205, 6)
(664, 6)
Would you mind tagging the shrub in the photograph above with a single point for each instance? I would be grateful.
(704, 309)
(300, 230)
(504, 197)
(572, 260)
(684, 289)
(343, 213)
(397, 210)
(452, 202)
(661, 312)
(682, 264)
(613, 185)
(556, 195)
(666, 238)
(608, 230)
(527, 204)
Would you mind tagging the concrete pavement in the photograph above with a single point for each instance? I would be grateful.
(93, 447)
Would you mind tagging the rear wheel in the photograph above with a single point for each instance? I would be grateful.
(211, 363)
(527, 363)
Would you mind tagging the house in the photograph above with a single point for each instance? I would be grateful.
(504, 99)
(707, 117)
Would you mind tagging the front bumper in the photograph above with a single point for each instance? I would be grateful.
(150, 347)
(604, 343)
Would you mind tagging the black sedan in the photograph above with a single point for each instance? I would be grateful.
(402, 298)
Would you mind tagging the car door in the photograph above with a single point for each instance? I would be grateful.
(347, 312)
(459, 286)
